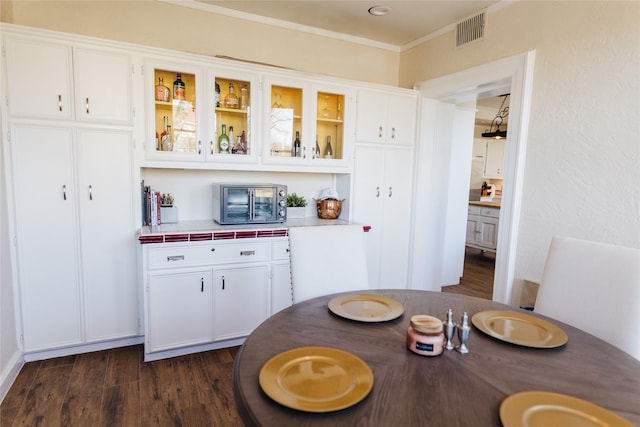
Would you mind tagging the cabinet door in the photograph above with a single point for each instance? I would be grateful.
(488, 236)
(240, 300)
(401, 123)
(39, 79)
(106, 219)
(281, 293)
(179, 310)
(371, 116)
(332, 132)
(367, 200)
(46, 236)
(473, 229)
(102, 86)
(495, 159)
(396, 220)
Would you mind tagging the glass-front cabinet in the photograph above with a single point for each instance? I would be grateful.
(304, 123)
(201, 114)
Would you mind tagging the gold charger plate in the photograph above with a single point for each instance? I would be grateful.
(519, 328)
(544, 409)
(366, 307)
(316, 379)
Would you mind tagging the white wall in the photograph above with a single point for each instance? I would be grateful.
(582, 173)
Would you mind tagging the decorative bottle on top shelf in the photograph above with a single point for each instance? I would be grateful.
(297, 149)
(328, 151)
(178, 87)
(217, 95)
(231, 99)
(244, 97)
(223, 141)
(162, 92)
(317, 153)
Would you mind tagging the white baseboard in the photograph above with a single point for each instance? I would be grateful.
(10, 374)
(85, 348)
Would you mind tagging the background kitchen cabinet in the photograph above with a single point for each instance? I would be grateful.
(494, 160)
(240, 300)
(180, 309)
(482, 227)
(382, 199)
(386, 117)
(74, 223)
(43, 76)
(281, 292)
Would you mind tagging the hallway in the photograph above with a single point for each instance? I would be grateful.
(478, 273)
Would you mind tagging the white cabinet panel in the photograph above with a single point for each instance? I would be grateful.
(382, 199)
(179, 309)
(281, 292)
(386, 118)
(108, 255)
(482, 228)
(39, 81)
(240, 300)
(46, 232)
(494, 162)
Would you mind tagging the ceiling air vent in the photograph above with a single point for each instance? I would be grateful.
(471, 29)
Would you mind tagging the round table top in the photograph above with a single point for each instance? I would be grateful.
(452, 389)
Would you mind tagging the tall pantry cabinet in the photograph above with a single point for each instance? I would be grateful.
(383, 176)
(70, 136)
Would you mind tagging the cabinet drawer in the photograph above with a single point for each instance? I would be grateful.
(280, 249)
(183, 256)
(492, 212)
(474, 210)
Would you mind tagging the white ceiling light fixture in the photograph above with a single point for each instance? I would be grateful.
(379, 10)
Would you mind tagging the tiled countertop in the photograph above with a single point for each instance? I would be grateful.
(184, 231)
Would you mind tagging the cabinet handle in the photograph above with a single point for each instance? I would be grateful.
(202, 284)
(304, 152)
(175, 258)
(223, 283)
(390, 191)
(87, 105)
(211, 145)
(247, 253)
(377, 192)
(59, 102)
(380, 132)
(393, 133)
(213, 249)
(64, 192)
(199, 147)
(90, 192)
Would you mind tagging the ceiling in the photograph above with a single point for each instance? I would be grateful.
(406, 22)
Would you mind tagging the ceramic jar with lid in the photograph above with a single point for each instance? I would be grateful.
(425, 335)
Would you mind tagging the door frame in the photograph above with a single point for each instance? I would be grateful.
(514, 74)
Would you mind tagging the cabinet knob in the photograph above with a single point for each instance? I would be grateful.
(90, 192)
(59, 102)
(393, 133)
(377, 191)
(380, 132)
(86, 105)
(199, 147)
(390, 191)
(64, 192)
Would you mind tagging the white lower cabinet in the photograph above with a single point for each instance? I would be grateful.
(482, 228)
(281, 292)
(240, 302)
(180, 309)
(74, 210)
(210, 294)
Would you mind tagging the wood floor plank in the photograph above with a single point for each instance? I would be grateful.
(158, 397)
(83, 400)
(121, 405)
(124, 365)
(16, 394)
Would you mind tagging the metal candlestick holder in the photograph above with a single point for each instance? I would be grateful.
(449, 330)
(463, 333)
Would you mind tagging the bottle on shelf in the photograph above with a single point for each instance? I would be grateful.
(297, 149)
(217, 95)
(178, 87)
(231, 99)
(244, 97)
(328, 151)
(243, 143)
(232, 140)
(162, 92)
(223, 141)
(317, 153)
(167, 145)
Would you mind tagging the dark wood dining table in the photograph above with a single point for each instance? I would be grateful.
(452, 389)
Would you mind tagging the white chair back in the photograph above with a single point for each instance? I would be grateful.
(326, 260)
(594, 287)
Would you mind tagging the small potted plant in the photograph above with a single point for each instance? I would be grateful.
(296, 206)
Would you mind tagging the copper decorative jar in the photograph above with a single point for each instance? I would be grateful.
(328, 208)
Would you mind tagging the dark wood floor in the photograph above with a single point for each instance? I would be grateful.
(477, 279)
(116, 388)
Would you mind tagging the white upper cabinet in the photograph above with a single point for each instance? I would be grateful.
(45, 75)
(386, 117)
(494, 161)
(40, 82)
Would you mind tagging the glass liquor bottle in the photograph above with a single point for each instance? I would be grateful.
(231, 99)
(244, 97)
(217, 95)
(162, 92)
(223, 141)
(232, 140)
(178, 87)
(297, 146)
(328, 151)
